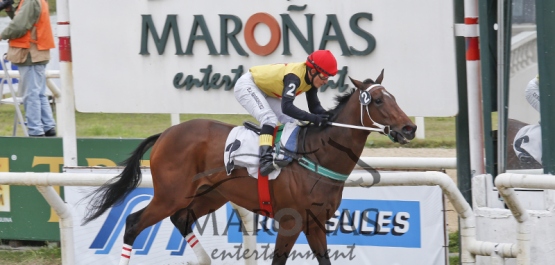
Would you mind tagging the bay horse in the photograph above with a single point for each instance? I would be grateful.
(189, 178)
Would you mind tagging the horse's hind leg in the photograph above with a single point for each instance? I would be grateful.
(185, 218)
(136, 222)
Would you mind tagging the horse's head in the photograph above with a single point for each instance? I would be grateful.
(379, 108)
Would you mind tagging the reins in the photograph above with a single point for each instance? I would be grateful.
(364, 105)
(365, 100)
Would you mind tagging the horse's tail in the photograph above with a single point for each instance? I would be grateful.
(116, 189)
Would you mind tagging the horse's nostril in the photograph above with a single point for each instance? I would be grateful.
(409, 129)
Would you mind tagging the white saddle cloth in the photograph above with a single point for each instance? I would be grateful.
(528, 142)
(242, 149)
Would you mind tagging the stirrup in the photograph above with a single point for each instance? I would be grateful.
(266, 165)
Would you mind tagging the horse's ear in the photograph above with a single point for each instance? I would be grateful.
(357, 83)
(380, 78)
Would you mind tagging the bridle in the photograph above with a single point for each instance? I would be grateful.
(364, 103)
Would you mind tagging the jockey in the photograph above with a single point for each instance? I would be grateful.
(527, 143)
(267, 93)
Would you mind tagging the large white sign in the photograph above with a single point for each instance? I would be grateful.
(179, 56)
(373, 226)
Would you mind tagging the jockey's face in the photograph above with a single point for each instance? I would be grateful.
(318, 79)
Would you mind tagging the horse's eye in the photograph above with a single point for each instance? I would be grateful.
(379, 101)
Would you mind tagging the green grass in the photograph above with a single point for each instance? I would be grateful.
(440, 132)
(41, 256)
(51, 7)
(454, 247)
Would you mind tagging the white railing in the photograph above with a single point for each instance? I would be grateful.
(49, 75)
(422, 163)
(470, 246)
(505, 184)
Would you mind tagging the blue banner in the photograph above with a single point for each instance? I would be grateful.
(360, 222)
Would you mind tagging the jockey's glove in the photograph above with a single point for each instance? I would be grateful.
(320, 119)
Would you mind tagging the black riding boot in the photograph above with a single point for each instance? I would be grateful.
(266, 149)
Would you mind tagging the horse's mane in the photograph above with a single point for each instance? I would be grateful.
(342, 100)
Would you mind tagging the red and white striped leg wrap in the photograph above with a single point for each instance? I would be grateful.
(193, 242)
(125, 254)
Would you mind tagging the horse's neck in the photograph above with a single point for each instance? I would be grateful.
(339, 148)
(353, 139)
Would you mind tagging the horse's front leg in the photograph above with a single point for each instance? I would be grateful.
(288, 233)
(316, 237)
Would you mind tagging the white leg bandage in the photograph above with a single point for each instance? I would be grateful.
(125, 254)
(194, 243)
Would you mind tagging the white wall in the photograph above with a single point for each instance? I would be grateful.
(110, 75)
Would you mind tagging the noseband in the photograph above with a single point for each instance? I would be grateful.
(378, 127)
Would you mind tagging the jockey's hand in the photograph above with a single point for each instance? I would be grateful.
(330, 114)
(320, 119)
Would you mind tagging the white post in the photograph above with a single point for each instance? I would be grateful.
(67, 116)
(506, 183)
(175, 119)
(66, 222)
(420, 131)
(67, 113)
(476, 127)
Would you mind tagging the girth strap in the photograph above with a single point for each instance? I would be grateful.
(264, 197)
(318, 169)
(306, 163)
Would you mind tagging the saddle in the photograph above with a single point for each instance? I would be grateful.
(241, 149)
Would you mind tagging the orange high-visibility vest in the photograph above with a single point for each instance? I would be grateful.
(45, 38)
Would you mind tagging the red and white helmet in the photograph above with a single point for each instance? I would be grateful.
(322, 61)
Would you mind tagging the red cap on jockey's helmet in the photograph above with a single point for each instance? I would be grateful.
(323, 61)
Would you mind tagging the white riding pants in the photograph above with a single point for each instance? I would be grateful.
(265, 109)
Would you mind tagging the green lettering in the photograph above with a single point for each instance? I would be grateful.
(289, 25)
(214, 81)
(369, 38)
(189, 82)
(332, 22)
(206, 71)
(208, 81)
(199, 22)
(225, 36)
(160, 42)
